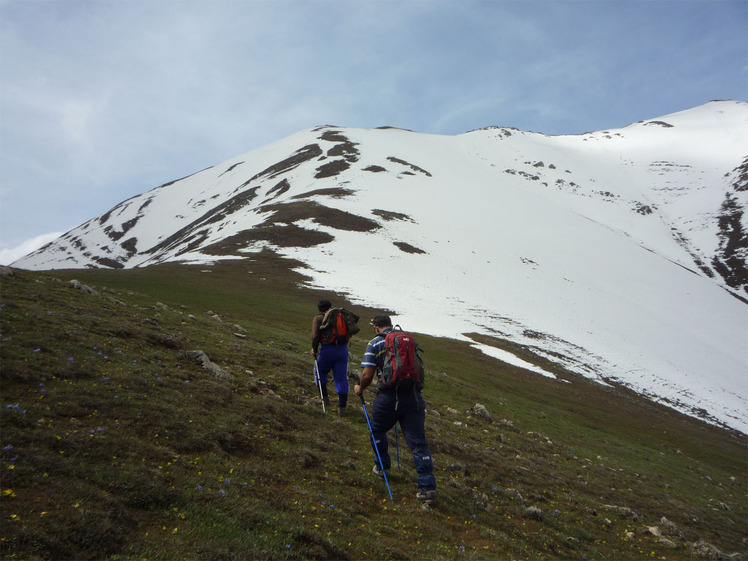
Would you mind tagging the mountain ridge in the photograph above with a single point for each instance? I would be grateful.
(594, 251)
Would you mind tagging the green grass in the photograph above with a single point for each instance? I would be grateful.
(115, 444)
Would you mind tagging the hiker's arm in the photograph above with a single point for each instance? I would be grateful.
(367, 375)
(316, 322)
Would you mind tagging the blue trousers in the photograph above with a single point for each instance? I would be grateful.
(409, 409)
(335, 358)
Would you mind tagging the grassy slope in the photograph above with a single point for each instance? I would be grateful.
(116, 445)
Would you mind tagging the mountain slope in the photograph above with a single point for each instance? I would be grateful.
(117, 443)
(616, 254)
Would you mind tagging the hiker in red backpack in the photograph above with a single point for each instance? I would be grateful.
(330, 351)
(392, 355)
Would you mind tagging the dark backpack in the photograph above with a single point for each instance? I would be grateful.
(402, 361)
(338, 326)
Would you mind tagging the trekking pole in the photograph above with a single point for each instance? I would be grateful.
(319, 383)
(374, 442)
(397, 443)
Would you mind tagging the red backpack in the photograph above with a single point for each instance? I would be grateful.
(402, 361)
(338, 326)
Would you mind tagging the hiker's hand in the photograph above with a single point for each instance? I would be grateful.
(314, 353)
(367, 375)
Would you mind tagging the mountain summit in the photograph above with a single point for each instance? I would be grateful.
(619, 255)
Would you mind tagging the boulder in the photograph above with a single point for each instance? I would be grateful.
(481, 411)
(201, 358)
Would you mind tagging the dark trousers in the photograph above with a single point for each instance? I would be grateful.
(408, 408)
(335, 358)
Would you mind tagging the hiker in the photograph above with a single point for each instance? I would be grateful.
(396, 404)
(330, 354)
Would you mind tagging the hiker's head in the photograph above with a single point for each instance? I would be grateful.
(381, 321)
(323, 306)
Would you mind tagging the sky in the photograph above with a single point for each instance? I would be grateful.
(103, 100)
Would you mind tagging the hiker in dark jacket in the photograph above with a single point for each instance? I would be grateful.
(405, 406)
(330, 356)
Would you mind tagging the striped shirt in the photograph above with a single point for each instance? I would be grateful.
(375, 351)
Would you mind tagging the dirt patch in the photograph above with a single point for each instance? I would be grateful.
(287, 235)
(733, 240)
(278, 190)
(331, 169)
(308, 152)
(231, 168)
(408, 164)
(660, 124)
(407, 248)
(391, 215)
(333, 136)
(108, 262)
(302, 210)
(334, 192)
(346, 149)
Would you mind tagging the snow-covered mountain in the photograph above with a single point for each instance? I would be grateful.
(619, 254)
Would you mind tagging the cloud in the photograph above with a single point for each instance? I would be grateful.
(105, 100)
(8, 256)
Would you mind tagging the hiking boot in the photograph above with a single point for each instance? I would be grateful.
(376, 470)
(429, 495)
